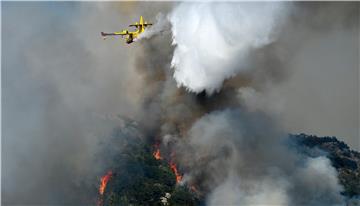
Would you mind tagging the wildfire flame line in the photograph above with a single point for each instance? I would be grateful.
(104, 180)
(177, 174)
(157, 154)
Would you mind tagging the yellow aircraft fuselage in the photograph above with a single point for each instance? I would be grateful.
(130, 35)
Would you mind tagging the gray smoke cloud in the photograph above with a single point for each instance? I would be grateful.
(304, 83)
(293, 81)
(240, 158)
(64, 88)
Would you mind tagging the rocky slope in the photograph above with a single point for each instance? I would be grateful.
(345, 160)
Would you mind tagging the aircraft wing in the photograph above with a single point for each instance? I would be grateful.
(122, 33)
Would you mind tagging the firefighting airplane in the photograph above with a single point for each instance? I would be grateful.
(130, 35)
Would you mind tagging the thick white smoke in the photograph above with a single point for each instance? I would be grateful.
(317, 179)
(233, 192)
(213, 40)
(244, 161)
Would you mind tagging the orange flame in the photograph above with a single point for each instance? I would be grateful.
(157, 154)
(104, 180)
(173, 167)
(177, 174)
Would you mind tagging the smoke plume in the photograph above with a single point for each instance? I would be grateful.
(240, 158)
(65, 88)
(225, 145)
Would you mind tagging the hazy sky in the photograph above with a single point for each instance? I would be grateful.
(61, 85)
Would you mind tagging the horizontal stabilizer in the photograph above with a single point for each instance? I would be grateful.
(138, 25)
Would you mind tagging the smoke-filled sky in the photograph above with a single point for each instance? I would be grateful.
(63, 87)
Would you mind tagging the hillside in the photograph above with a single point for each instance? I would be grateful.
(136, 176)
(139, 176)
(345, 160)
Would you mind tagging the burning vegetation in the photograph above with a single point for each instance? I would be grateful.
(157, 154)
(213, 131)
(146, 177)
(103, 183)
(176, 173)
(104, 180)
(172, 164)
